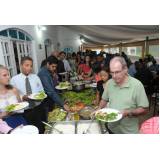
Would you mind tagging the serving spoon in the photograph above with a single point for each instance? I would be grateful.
(87, 130)
(52, 127)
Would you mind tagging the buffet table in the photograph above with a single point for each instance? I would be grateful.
(75, 121)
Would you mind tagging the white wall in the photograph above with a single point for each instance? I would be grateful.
(38, 38)
(67, 37)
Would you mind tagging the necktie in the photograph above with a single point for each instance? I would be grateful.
(28, 86)
(28, 92)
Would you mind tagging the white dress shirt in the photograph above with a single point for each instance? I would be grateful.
(18, 82)
(66, 65)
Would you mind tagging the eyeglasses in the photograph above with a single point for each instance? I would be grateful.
(116, 72)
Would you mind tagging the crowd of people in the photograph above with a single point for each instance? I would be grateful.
(115, 75)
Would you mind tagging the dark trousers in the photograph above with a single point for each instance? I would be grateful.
(33, 117)
(36, 115)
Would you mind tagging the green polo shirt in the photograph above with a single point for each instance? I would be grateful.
(129, 96)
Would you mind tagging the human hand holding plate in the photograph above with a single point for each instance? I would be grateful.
(16, 106)
(37, 96)
(108, 115)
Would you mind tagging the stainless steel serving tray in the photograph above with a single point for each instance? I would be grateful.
(76, 127)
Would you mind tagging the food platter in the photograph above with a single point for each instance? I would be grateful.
(108, 115)
(85, 113)
(62, 73)
(74, 107)
(16, 107)
(37, 96)
(61, 88)
(63, 85)
(94, 85)
(57, 115)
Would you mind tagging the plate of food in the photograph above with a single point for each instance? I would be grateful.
(57, 115)
(28, 129)
(62, 73)
(108, 115)
(37, 96)
(63, 85)
(94, 85)
(16, 106)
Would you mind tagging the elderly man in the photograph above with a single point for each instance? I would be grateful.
(126, 94)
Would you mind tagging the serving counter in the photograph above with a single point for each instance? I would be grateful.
(77, 127)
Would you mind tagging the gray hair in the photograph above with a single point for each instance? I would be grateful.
(121, 60)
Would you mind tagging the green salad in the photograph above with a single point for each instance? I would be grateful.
(57, 115)
(40, 95)
(86, 96)
(106, 116)
(64, 84)
(10, 108)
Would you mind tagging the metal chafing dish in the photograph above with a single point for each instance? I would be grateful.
(76, 127)
(78, 86)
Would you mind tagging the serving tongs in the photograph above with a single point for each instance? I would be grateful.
(87, 130)
(52, 127)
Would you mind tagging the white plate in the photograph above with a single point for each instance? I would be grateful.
(32, 96)
(110, 110)
(63, 73)
(20, 106)
(28, 129)
(61, 88)
(94, 85)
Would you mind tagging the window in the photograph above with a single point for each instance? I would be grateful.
(154, 50)
(11, 72)
(114, 50)
(21, 35)
(106, 50)
(28, 39)
(97, 50)
(4, 33)
(15, 45)
(6, 47)
(133, 51)
(13, 33)
(8, 60)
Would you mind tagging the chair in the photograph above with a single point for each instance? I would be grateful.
(150, 126)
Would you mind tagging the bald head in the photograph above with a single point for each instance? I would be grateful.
(55, 53)
(118, 70)
(119, 59)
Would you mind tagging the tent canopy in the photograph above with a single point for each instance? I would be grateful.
(113, 34)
